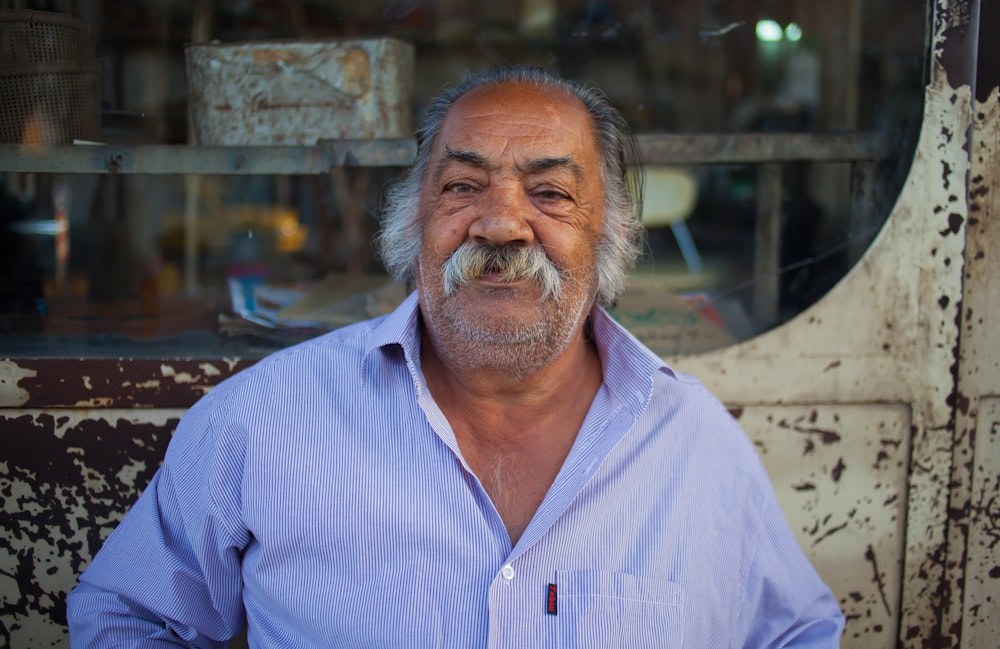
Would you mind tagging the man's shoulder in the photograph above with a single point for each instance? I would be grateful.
(709, 428)
(342, 344)
(339, 351)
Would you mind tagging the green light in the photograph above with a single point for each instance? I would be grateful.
(793, 32)
(768, 31)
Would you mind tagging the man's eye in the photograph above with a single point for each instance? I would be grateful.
(458, 188)
(551, 195)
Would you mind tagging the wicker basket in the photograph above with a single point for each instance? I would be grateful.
(49, 79)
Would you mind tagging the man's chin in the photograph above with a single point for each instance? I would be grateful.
(501, 326)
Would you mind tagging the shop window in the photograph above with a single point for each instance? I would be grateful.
(741, 238)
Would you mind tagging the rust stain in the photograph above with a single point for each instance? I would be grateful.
(830, 532)
(264, 57)
(838, 470)
(827, 437)
(356, 66)
(955, 222)
(263, 104)
(877, 578)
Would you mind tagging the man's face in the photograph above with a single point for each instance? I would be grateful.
(514, 166)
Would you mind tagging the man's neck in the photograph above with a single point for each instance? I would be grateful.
(515, 434)
(490, 395)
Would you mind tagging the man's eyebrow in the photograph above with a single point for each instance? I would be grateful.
(465, 157)
(539, 165)
(533, 166)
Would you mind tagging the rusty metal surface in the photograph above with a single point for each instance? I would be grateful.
(68, 477)
(79, 438)
(966, 41)
(840, 473)
(980, 621)
(299, 92)
(110, 383)
(975, 482)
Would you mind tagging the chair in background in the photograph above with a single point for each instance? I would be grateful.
(670, 197)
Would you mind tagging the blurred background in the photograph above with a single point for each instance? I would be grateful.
(737, 103)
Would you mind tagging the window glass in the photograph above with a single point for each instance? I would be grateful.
(777, 134)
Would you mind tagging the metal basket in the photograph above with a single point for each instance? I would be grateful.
(49, 79)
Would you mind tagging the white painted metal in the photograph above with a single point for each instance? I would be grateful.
(888, 337)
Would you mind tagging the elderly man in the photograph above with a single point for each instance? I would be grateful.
(494, 464)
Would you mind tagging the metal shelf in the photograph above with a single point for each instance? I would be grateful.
(206, 160)
(745, 148)
(736, 148)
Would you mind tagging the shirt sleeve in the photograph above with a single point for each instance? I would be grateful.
(785, 602)
(169, 575)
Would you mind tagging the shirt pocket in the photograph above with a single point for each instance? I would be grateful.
(617, 609)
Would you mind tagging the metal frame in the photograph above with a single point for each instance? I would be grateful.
(702, 149)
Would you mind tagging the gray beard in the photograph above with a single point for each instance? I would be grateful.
(513, 347)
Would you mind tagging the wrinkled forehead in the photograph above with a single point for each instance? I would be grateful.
(519, 120)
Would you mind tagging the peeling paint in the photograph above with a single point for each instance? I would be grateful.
(42, 382)
(11, 374)
(67, 480)
(209, 369)
(178, 377)
(100, 402)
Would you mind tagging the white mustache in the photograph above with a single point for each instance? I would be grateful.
(471, 261)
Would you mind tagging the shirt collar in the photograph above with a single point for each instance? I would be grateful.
(628, 365)
(399, 328)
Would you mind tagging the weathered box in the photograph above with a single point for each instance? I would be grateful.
(298, 92)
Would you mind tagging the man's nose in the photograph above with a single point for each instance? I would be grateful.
(504, 218)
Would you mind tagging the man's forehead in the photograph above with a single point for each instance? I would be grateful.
(527, 121)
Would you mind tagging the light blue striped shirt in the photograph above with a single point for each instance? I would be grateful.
(320, 499)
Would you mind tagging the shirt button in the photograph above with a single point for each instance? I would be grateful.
(507, 572)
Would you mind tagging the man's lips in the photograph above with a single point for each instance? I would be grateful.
(495, 276)
(498, 280)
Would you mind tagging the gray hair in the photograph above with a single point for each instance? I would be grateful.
(621, 238)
